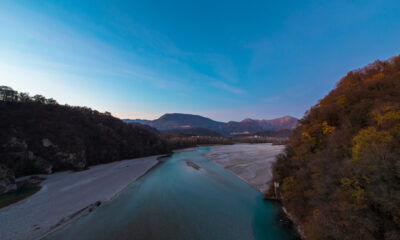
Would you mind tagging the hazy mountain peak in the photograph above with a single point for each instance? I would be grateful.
(182, 116)
(178, 121)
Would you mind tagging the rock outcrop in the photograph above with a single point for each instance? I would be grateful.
(74, 161)
(7, 180)
(26, 159)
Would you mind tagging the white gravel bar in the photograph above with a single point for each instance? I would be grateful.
(250, 162)
(64, 194)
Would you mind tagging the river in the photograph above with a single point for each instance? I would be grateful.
(177, 201)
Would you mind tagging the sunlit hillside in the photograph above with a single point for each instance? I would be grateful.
(340, 176)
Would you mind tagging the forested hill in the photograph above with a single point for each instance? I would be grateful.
(37, 135)
(340, 176)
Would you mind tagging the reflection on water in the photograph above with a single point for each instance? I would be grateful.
(22, 193)
(178, 201)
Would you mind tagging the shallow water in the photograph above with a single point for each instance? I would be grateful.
(176, 201)
(22, 193)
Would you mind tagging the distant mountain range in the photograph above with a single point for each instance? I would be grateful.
(188, 124)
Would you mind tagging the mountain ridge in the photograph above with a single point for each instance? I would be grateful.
(175, 122)
(285, 122)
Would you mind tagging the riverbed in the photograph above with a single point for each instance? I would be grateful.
(250, 162)
(64, 196)
(185, 197)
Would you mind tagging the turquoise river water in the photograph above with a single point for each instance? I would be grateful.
(175, 201)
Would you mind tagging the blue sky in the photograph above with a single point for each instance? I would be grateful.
(227, 60)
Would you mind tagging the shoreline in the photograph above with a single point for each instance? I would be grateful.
(67, 196)
(235, 162)
(296, 225)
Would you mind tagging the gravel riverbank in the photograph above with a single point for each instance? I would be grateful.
(250, 162)
(64, 196)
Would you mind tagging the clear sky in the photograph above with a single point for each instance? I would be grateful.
(227, 60)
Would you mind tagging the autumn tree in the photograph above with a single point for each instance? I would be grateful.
(340, 172)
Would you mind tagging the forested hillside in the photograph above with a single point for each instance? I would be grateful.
(37, 135)
(340, 175)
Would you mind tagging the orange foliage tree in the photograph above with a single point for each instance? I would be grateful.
(340, 174)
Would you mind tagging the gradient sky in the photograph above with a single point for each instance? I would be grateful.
(227, 60)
